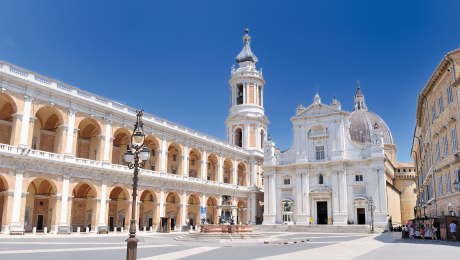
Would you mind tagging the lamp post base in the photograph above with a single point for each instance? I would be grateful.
(131, 253)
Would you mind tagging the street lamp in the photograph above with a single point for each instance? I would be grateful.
(135, 156)
(371, 208)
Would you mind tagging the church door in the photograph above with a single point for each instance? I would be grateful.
(361, 213)
(321, 207)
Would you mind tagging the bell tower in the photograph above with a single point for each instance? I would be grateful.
(247, 123)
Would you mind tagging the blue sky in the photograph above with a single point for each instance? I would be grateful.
(177, 55)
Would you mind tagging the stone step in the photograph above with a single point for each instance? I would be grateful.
(313, 228)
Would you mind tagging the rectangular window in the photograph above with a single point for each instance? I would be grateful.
(457, 175)
(448, 185)
(449, 95)
(440, 185)
(287, 181)
(444, 145)
(453, 133)
(319, 152)
(433, 113)
(193, 162)
(440, 105)
(152, 167)
(359, 177)
(438, 157)
(174, 157)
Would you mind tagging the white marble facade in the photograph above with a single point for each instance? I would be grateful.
(335, 166)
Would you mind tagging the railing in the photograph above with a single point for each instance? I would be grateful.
(26, 152)
(113, 105)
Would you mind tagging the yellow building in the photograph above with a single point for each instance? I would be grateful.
(61, 159)
(435, 145)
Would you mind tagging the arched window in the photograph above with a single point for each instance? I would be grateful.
(239, 97)
(239, 137)
(320, 179)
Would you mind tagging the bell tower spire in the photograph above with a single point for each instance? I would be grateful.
(359, 98)
(247, 123)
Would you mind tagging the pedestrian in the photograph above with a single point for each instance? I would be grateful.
(404, 232)
(411, 232)
(434, 235)
(453, 229)
(422, 231)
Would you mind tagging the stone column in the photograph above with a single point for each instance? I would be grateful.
(107, 141)
(253, 208)
(70, 133)
(220, 170)
(24, 137)
(185, 163)
(103, 207)
(306, 195)
(235, 172)
(204, 165)
(64, 227)
(253, 173)
(184, 208)
(246, 133)
(164, 158)
(16, 227)
(162, 203)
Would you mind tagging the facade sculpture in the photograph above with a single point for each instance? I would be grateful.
(338, 162)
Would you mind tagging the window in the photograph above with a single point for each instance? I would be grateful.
(440, 185)
(174, 171)
(239, 137)
(433, 113)
(287, 181)
(174, 157)
(453, 133)
(193, 162)
(319, 152)
(152, 167)
(437, 151)
(448, 185)
(152, 152)
(239, 96)
(359, 177)
(320, 179)
(440, 105)
(457, 175)
(444, 145)
(449, 95)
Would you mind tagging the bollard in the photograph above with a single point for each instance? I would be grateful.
(151, 229)
(115, 230)
(145, 228)
(87, 230)
(45, 230)
(122, 229)
(34, 230)
(78, 230)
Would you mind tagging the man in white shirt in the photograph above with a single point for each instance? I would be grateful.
(453, 229)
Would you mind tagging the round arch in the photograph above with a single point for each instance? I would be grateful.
(242, 174)
(47, 133)
(212, 167)
(8, 108)
(174, 165)
(87, 143)
(148, 209)
(40, 208)
(211, 210)
(228, 171)
(119, 208)
(193, 210)
(121, 138)
(172, 211)
(242, 211)
(194, 169)
(84, 206)
(153, 145)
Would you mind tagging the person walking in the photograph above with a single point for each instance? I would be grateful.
(453, 229)
(411, 232)
(434, 235)
(422, 232)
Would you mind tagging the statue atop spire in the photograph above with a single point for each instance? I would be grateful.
(246, 53)
(359, 98)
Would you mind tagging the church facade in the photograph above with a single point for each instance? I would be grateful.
(62, 169)
(340, 169)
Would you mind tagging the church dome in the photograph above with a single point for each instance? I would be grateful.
(361, 124)
(246, 53)
(363, 121)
